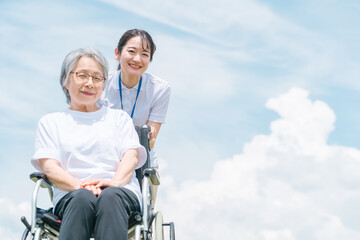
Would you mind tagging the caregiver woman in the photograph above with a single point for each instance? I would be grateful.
(143, 96)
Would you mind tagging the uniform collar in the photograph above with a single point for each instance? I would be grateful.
(144, 81)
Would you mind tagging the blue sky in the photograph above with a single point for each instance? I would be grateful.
(262, 127)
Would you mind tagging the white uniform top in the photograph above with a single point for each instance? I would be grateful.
(88, 144)
(151, 105)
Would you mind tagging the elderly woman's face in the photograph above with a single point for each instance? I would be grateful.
(84, 90)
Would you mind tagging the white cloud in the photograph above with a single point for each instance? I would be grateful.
(10, 213)
(289, 184)
(277, 235)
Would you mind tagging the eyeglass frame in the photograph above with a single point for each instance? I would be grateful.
(88, 77)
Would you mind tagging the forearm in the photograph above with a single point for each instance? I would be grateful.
(126, 167)
(58, 176)
(155, 128)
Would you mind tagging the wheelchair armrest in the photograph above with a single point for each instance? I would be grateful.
(35, 176)
(153, 175)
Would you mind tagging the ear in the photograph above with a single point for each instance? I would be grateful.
(67, 85)
(117, 54)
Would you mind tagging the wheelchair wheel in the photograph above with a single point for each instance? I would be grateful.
(25, 234)
(28, 236)
(37, 236)
(172, 231)
(158, 228)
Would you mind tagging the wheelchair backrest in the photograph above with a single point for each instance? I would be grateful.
(143, 132)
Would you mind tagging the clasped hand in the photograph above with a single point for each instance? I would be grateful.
(97, 185)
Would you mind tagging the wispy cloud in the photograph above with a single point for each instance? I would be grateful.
(193, 70)
(207, 18)
(252, 29)
(36, 43)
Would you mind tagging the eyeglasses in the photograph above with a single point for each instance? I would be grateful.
(85, 77)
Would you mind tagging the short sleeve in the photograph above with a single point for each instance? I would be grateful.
(160, 106)
(45, 143)
(130, 139)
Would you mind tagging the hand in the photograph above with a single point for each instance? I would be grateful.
(90, 184)
(152, 135)
(96, 191)
(155, 128)
(96, 185)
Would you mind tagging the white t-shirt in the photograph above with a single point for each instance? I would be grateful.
(87, 144)
(151, 105)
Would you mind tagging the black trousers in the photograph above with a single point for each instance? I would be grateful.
(106, 215)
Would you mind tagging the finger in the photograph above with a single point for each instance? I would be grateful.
(91, 189)
(98, 191)
(102, 183)
(94, 190)
(99, 184)
(89, 182)
(153, 130)
(84, 182)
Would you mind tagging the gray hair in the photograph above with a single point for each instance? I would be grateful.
(71, 61)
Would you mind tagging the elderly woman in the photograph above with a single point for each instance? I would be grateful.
(90, 154)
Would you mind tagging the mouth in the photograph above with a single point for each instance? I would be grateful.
(87, 93)
(134, 66)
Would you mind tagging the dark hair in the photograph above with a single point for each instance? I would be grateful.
(145, 37)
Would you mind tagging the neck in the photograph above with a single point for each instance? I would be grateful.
(129, 81)
(84, 108)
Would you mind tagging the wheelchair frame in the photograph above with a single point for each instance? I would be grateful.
(147, 225)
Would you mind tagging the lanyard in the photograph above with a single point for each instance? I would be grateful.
(137, 95)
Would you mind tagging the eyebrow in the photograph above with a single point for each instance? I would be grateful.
(87, 71)
(145, 50)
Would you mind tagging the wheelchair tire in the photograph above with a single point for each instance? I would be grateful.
(25, 234)
(158, 228)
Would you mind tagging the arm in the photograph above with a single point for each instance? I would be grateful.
(123, 174)
(158, 112)
(126, 167)
(58, 176)
(155, 128)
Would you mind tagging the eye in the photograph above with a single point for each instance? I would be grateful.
(145, 55)
(82, 76)
(97, 78)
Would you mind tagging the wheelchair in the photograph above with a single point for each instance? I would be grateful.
(145, 225)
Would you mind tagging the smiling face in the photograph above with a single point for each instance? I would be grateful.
(85, 93)
(134, 57)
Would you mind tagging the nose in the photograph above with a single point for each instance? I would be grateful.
(89, 82)
(137, 57)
